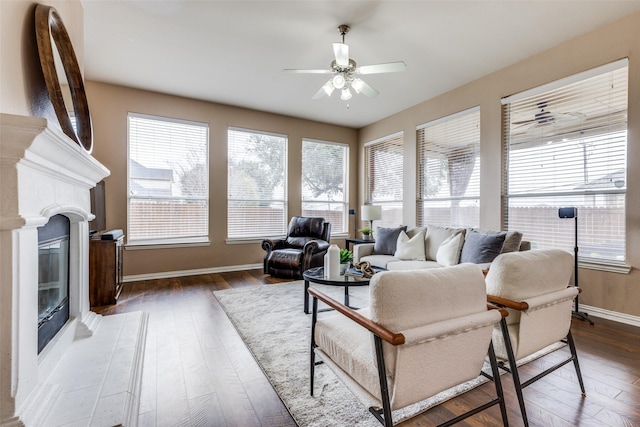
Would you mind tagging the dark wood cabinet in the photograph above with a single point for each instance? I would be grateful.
(105, 271)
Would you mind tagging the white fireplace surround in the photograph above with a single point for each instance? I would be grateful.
(42, 173)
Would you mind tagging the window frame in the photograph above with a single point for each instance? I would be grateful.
(392, 210)
(345, 183)
(168, 242)
(610, 136)
(285, 202)
(448, 130)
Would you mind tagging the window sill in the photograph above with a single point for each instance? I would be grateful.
(167, 244)
(604, 265)
(340, 236)
(251, 240)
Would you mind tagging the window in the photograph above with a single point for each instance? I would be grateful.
(256, 184)
(566, 147)
(384, 177)
(168, 179)
(449, 171)
(324, 182)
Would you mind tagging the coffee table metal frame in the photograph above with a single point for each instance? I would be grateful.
(316, 275)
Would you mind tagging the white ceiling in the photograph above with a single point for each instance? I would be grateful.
(233, 52)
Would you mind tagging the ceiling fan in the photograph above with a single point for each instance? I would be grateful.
(545, 118)
(346, 73)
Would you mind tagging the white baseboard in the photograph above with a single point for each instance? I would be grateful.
(610, 315)
(181, 273)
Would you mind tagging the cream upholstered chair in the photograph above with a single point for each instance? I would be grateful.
(424, 332)
(535, 286)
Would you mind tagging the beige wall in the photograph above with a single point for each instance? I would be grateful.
(609, 291)
(109, 107)
(20, 76)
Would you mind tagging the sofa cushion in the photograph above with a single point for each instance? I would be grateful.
(412, 231)
(411, 265)
(435, 236)
(351, 349)
(449, 251)
(386, 240)
(480, 248)
(411, 249)
(380, 260)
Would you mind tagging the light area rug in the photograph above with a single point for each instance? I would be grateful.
(271, 321)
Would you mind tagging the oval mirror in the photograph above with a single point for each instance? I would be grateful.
(54, 42)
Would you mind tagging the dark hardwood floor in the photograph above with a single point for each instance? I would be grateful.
(198, 372)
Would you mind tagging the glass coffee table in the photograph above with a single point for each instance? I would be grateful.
(316, 275)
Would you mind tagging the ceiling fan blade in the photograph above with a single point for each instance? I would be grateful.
(360, 86)
(389, 67)
(341, 52)
(288, 70)
(524, 122)
(325, 90)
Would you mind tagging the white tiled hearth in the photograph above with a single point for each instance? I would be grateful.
(90, 373)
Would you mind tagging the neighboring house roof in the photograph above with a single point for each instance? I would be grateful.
(138, 171)
(615, 179)
(140, 175)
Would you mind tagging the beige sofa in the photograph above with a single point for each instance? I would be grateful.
(413, 248)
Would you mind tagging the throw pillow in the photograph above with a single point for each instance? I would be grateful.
(410, 248)
(512, 242)
(386, 240)
(435, 236)
(481, 248)
(449, 250)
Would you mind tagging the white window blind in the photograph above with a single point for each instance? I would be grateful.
(566, 147)
(384, 178)
(168, 178)
(449, 171)
(256, 184)
(324, 182)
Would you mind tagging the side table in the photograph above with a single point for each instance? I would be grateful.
(316, 275)
(349, 241)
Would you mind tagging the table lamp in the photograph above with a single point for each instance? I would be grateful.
(371, 213)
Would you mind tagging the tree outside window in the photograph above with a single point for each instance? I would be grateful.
(324, 182)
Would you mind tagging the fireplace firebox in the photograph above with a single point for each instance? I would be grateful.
(53, 278)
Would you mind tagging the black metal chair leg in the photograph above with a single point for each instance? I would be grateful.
(495, 371)
(514, 371)
(574, 355)
(312, 353)
(384, 388)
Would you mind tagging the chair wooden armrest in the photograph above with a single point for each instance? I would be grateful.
(504, 313)
(504, 302)
(384, 333)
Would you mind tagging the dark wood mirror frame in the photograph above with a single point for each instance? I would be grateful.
(49, 30)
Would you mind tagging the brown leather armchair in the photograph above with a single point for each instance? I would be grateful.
(304, 247)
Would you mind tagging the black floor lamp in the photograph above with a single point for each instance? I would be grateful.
(573, 213)
(352, 212)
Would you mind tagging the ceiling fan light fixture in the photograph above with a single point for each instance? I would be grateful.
(346, 94)
(357, 85)
(328, 88)
(338, 81)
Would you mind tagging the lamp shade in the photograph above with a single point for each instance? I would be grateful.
(371, 212)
